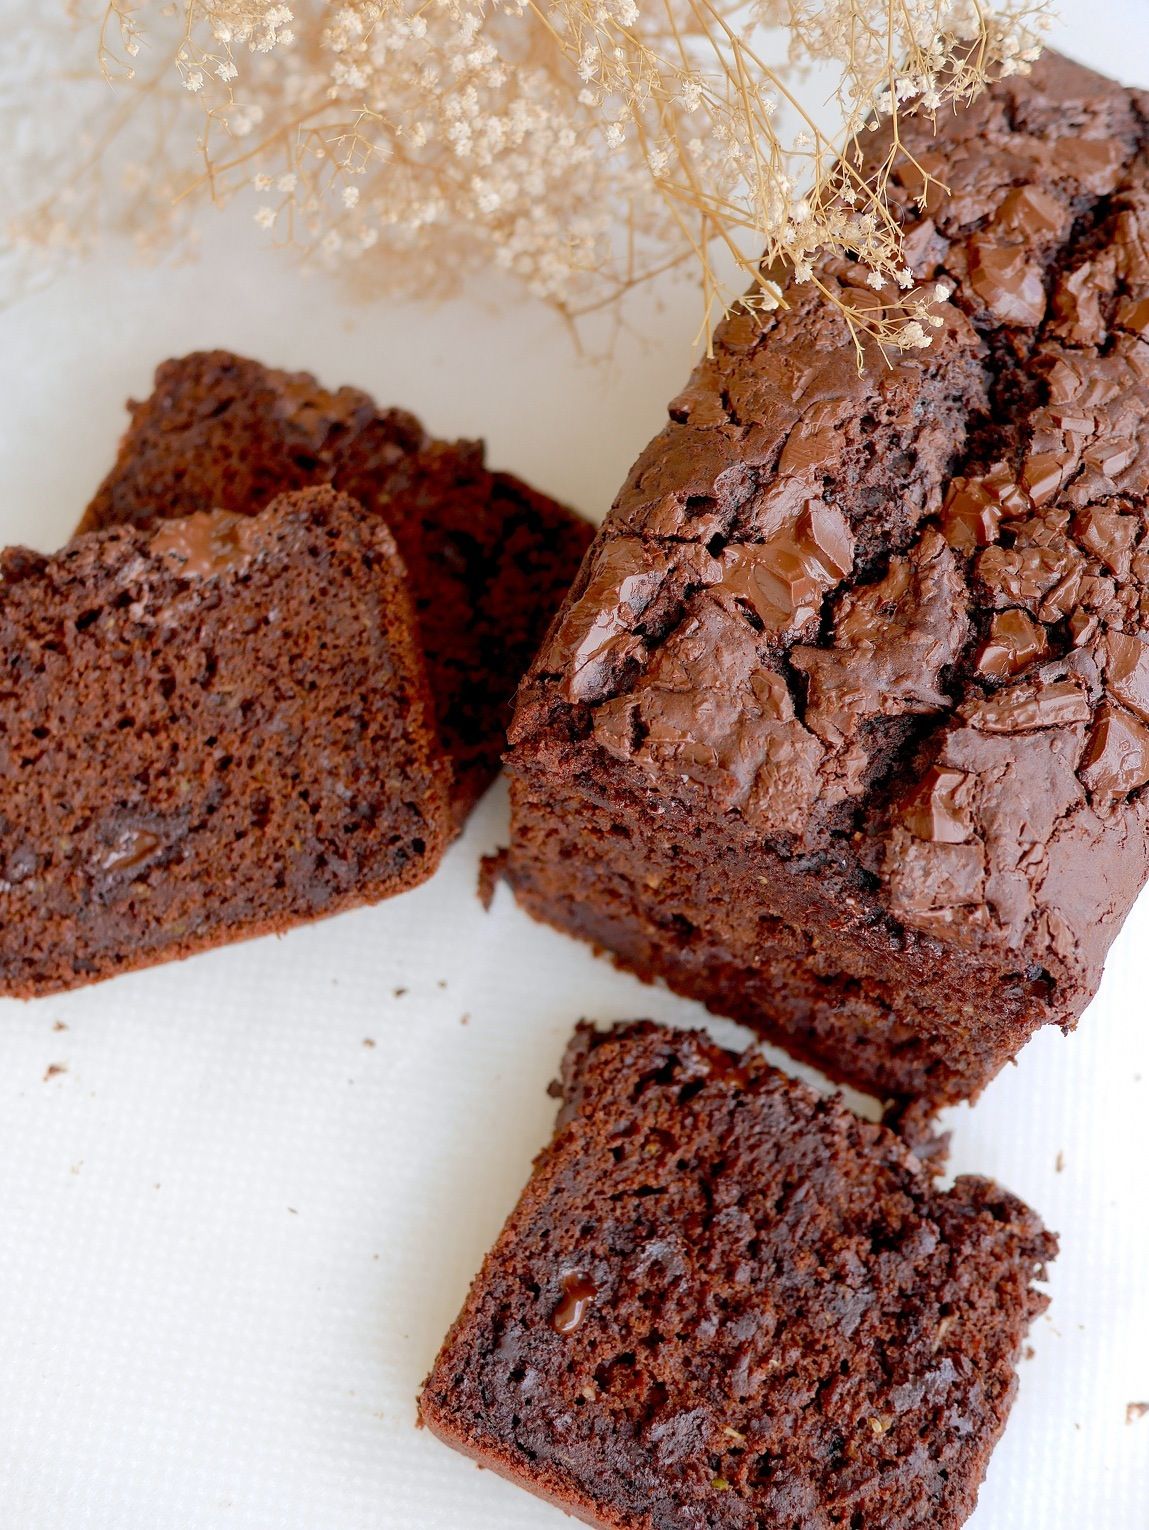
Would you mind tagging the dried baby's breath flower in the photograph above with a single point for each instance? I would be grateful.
(583, 146)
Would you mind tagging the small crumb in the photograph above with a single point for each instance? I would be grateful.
(58, 1025)
(1059, 1163)
(368, 1041)
(464, 1019)
(76, 1167)
(1029, 1352)
(1134, 1411)
(733, 1434)
(54, 1069)
(442, 983)
(491, 870)
(155, 1187)
(293, 1211)
(397, 993)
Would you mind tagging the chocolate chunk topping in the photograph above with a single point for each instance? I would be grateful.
(1017, 708)
(1007, 281)
(783, 580)
(599, 629)
(892, 642)
(975, 507)
(1127, 671)
(1117, 759)
(709, 710)
(1015, 641)
(939, 808)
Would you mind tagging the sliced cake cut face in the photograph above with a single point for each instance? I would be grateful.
(211, 729)
(844, 729)
(724, 1302)
(489, 558)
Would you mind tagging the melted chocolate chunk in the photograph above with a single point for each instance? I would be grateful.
(578, 1294)
(1015, 642)
(783, 580)
(1127, 671)
(134, 848)
(1117, 759)
(207, 543)
(939, 808)
(1007, 281)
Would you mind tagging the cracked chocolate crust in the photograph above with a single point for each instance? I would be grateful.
(723, 1301)
(489, 559)
(216, 728)
(889, 626)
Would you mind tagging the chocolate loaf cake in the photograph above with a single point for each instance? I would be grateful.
(844, 728)
(489, 559)
(725, 1301)
(208, 730)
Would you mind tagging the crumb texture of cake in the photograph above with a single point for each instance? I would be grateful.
(489, 559)
(215, 728)
(844, 728)
(724, 1302)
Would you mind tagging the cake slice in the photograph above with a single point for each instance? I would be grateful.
(211, 729)
(844, 729)
(724, 1302)
(489, 559)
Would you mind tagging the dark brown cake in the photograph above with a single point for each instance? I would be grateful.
(209, 730)
(844, 729)
(725, 1303)
(489, 559)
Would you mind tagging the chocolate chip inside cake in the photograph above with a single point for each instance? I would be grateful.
(489, 559)
(725, 1302)
(211, 729)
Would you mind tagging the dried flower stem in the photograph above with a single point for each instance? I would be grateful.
(584, 146)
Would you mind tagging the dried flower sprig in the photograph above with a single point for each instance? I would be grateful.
(582, 145)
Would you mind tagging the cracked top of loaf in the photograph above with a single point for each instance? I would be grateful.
(902, 607)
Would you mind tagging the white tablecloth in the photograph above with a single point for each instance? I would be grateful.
(241, 1198)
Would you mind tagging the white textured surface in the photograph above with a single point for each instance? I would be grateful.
(232, 1233)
